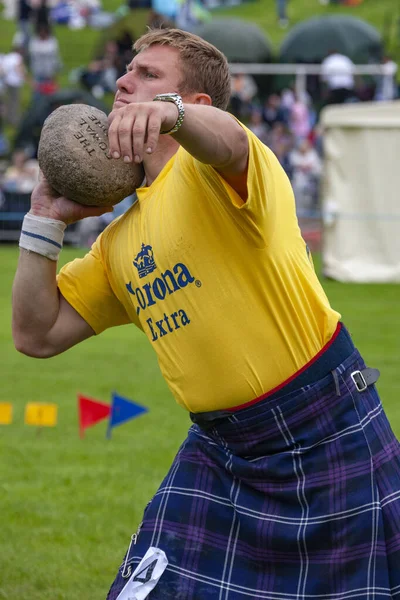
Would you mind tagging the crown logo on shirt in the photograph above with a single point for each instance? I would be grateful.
(144, 261)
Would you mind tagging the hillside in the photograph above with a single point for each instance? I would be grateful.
(78, 47)
(383, 14)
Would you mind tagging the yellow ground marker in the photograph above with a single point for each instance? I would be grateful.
(41, 415)
(5, 413)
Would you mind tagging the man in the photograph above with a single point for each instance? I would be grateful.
(282, 14)
(13, 72)
(288, 483)
(337, 72)
(386, 89)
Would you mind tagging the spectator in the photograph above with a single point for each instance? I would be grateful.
(110, 71)
(316, 139)
(337, 72)
(44, 60)
(96, 77)
(299, 118)
(288, 98)
(14, 75)
(282, 14)
(61, 13)
(258, 127)
(281, 143)
(387, 87)
(273, 111)
(243, 93)
(283, 156)
(133, 4)
(22, 175)
(281, 138)
(307, 168)
(191, 14)
(4, 144)
(100, 75)
(164, 12)
(24, 23)
(124, 56)
(41, 12)
(125, 42)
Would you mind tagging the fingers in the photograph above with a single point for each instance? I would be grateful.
(42, 182)
(120, 134)
(139, 132)
(94, 211)
(43, 187)
(134, 131)
(153, 133)
(113, 139)
(125, 136)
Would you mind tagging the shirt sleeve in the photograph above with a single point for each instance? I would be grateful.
(85, 285)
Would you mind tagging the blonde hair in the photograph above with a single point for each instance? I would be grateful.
(205, 68)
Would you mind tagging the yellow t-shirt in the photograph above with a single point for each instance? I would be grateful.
(224, 290)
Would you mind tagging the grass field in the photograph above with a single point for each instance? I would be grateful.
(69, 506)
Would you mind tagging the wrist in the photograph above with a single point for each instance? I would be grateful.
(177, 100)
(46, 213)
(170, 123)
(42, 235)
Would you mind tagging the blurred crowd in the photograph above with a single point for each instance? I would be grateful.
(285, 120)
(288, 121)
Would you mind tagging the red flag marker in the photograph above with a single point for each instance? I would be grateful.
(91, 412)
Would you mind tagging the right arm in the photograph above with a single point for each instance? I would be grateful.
(43, 322)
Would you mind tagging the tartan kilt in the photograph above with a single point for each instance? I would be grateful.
(292, 498)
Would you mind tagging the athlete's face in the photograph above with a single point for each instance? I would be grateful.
(153, 71)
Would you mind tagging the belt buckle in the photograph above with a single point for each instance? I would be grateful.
(359, 381)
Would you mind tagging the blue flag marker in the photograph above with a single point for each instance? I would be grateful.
(123, 410)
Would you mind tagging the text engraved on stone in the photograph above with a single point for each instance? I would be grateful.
(89, 138)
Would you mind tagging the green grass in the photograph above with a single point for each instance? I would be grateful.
(69, 506)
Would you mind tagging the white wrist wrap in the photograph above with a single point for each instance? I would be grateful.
(42, 235)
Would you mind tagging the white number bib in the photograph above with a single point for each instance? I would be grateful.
(146, 575)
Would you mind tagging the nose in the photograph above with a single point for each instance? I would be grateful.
(125, 83)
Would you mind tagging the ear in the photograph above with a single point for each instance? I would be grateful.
(204, 99)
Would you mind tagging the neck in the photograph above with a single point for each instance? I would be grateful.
(154, 163)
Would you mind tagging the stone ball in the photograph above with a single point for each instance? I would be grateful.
(73, 155)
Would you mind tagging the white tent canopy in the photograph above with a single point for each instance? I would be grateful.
(361, 195)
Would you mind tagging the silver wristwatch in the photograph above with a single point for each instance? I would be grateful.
(177, 100)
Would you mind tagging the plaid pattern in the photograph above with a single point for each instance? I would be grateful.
(295, 498)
